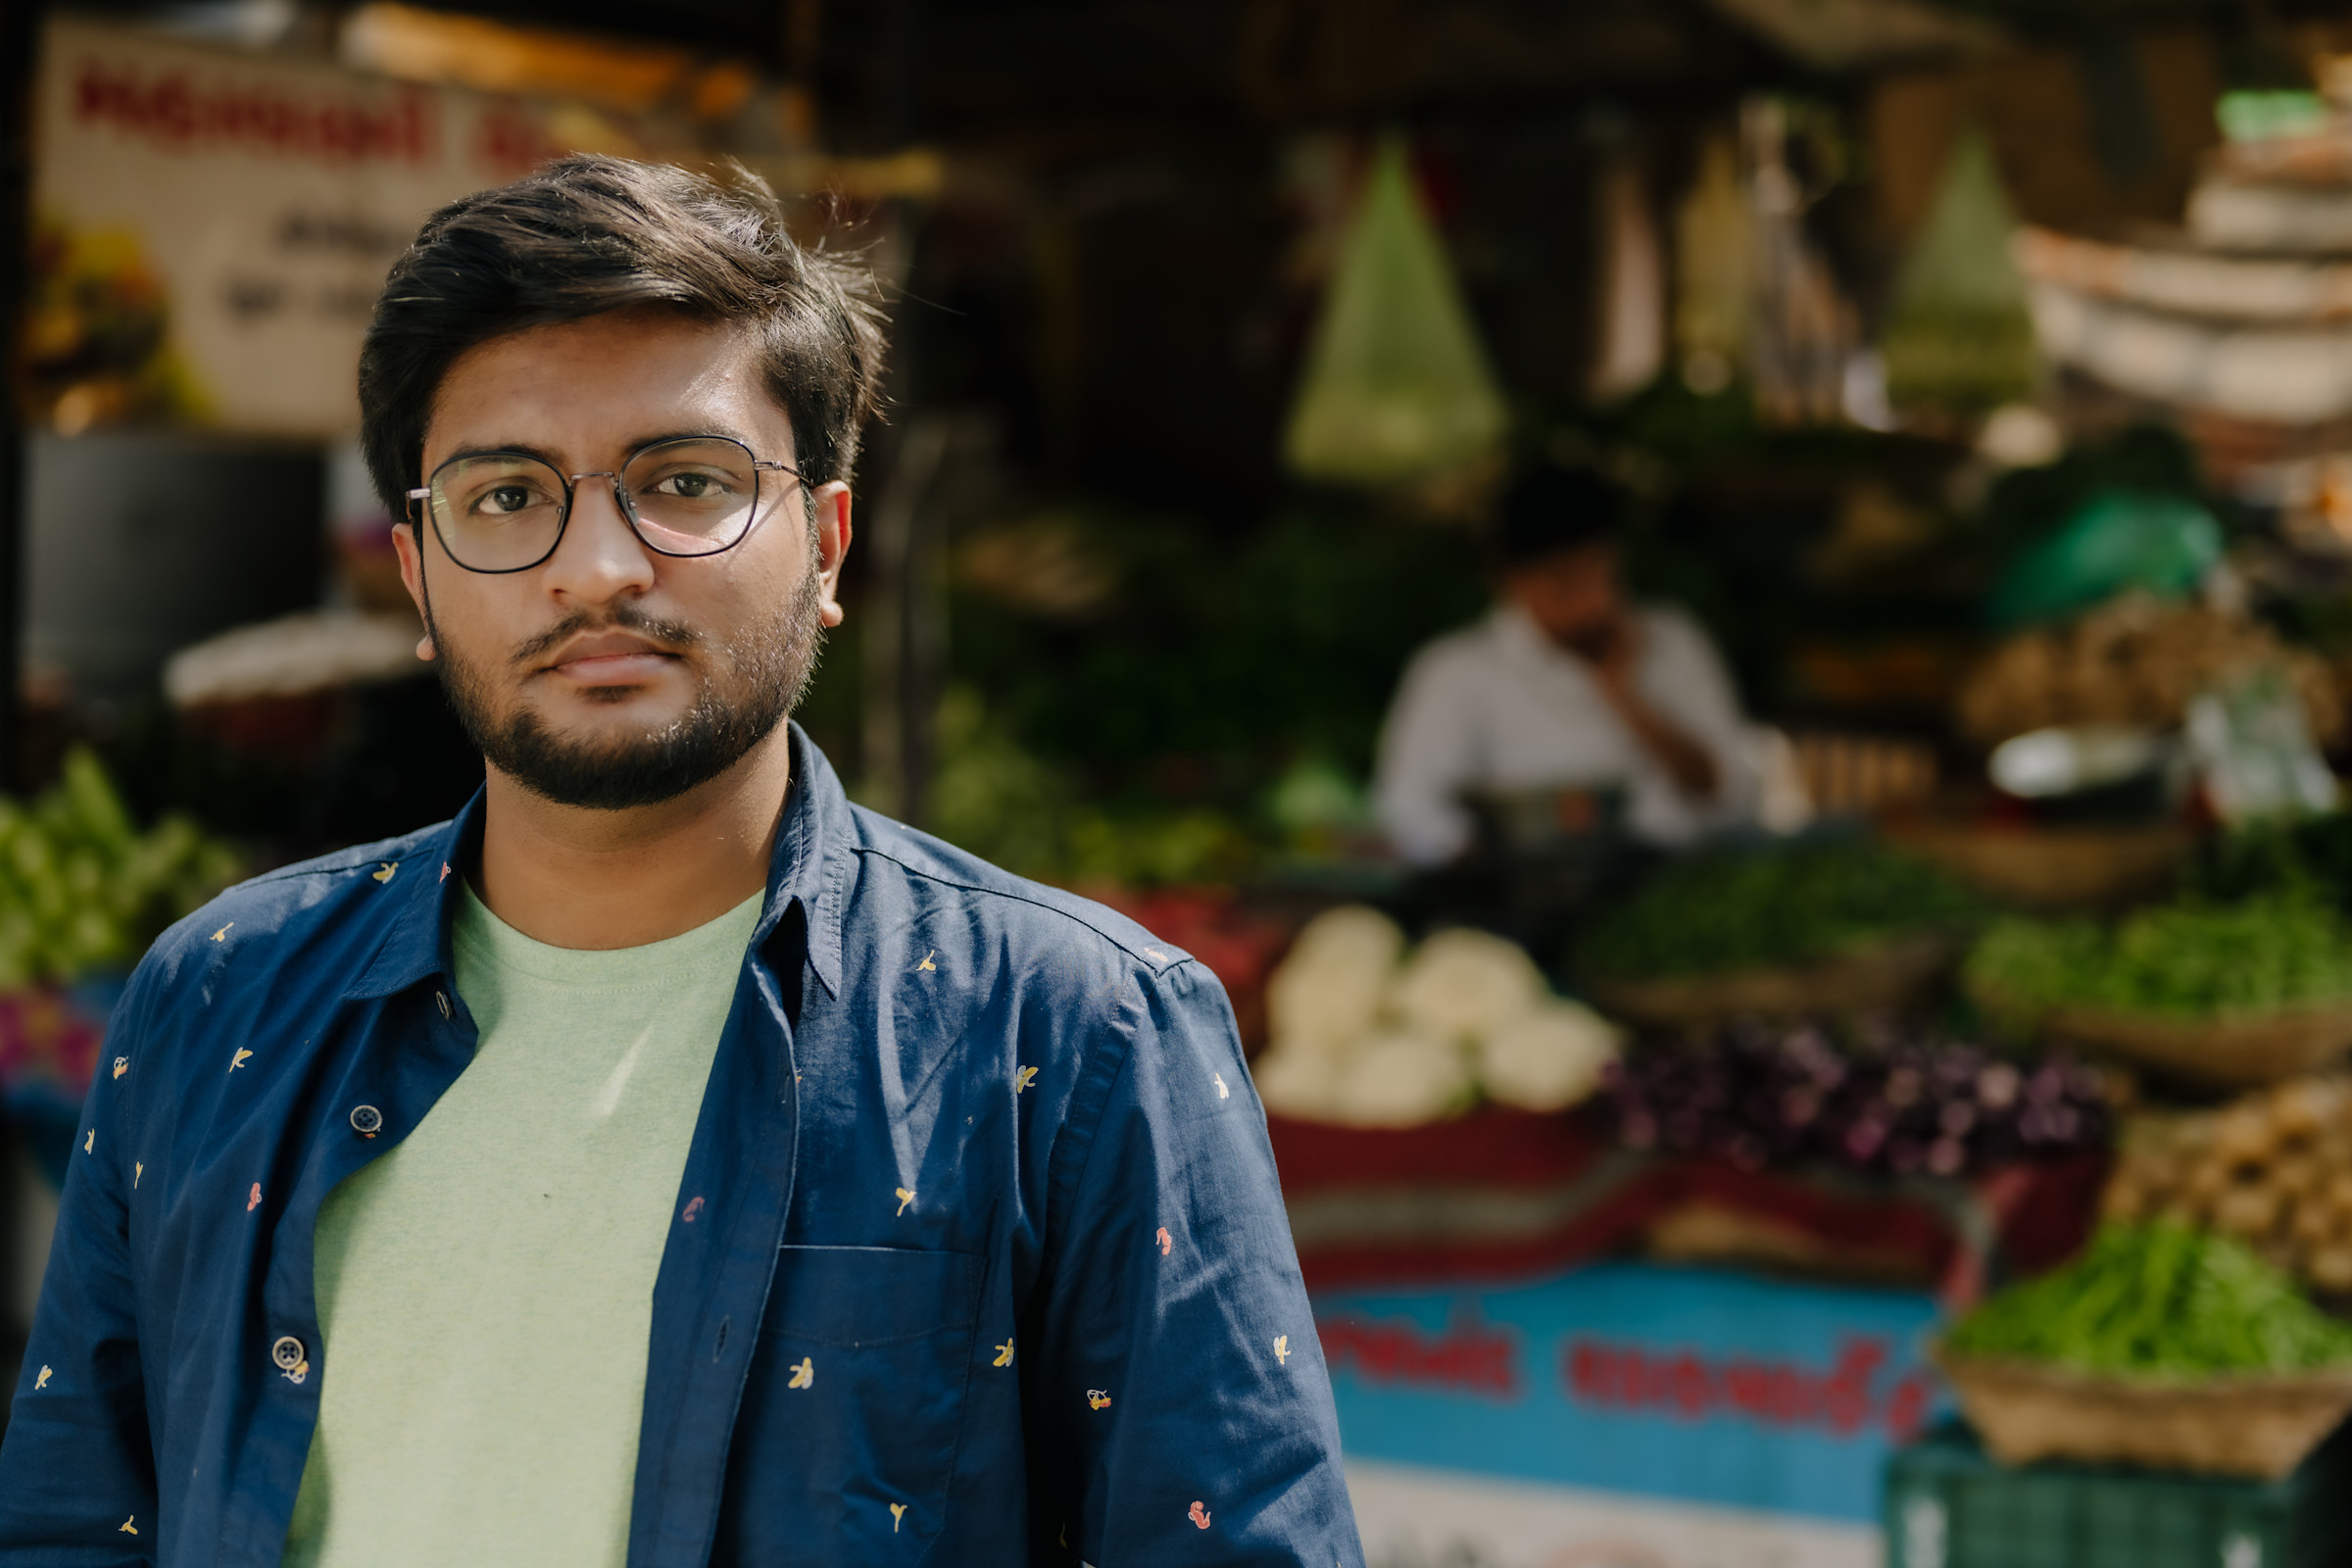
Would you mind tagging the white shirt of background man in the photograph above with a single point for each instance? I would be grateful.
(1500, 706)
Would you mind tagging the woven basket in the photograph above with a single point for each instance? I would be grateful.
(2250, 1425)
(2230, 1052)
(1885, 975)
(2053, 868)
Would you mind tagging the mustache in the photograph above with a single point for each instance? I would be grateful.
(670, 635)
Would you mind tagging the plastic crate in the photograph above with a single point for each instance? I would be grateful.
(1950, 1504)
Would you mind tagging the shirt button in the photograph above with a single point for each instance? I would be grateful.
(366, 1121)
(287, 1353)
(442, 997)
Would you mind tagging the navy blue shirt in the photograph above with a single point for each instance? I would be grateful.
(987, 1151)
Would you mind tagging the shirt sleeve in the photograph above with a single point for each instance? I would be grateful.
(1687, 679)
(77, 1468)
(1179, 1407)
(1428, 750)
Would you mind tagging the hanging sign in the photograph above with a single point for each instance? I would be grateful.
(212, 226)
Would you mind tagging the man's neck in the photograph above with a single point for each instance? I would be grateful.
(573, 877)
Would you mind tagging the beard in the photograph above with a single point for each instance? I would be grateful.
(751, 686)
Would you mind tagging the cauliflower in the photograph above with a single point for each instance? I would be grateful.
(1549, 1059)
(1324, 996)
(1399, 1078)
(1296, 1083)
(1464, 985)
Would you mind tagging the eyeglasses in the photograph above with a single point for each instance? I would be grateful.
(500, 511)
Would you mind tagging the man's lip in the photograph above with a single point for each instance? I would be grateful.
(606, 645)
(612, 670)
(609, 656)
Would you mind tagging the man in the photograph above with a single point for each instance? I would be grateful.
(1564, 685)
(666, 1162)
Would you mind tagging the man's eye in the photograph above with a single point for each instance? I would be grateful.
(505, 498)
(689, 486)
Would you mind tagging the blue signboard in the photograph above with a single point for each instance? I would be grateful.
(1689, 1383)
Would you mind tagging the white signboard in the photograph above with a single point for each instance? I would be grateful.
(212, 226)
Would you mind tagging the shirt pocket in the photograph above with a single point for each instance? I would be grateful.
(846, 1439)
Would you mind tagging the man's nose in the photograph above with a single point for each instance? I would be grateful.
(601, 558)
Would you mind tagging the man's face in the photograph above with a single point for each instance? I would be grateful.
(611, 676)
(1572, 594)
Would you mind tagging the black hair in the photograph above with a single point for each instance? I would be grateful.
(585, 235)
(1550, 511)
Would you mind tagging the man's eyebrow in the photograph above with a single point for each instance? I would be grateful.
(504, 449)
(736, 436)
(525, 448)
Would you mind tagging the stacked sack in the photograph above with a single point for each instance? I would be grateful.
(1367, 1035)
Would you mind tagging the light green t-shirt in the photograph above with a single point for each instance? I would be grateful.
(485, 1289)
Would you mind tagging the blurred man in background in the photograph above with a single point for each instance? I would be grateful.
(1567, 684)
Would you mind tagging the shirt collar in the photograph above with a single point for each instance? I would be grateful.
(810, 868)
(1518, 632)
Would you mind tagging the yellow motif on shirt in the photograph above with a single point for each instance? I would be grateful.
(927, 965)
(385, 875)
(222, 935)
(906, 1196)
(239, 1060)
(90, 1141)
(121, 1065)
(1023, 1079)
(41, 1381)
(805, 1375)
(897, 1513)
(1004, 1354)
(1223, 1092)
(1098, 1399)
(1282, 1348)
(137, 1170)
(126, 1528)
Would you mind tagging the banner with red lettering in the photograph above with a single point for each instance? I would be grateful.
(212, 226)
(1631, 1402)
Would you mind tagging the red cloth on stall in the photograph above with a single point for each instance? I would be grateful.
(1504, 1195)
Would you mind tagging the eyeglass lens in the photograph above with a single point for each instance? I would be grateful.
(503, 511)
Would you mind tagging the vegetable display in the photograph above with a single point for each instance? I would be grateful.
(82, 889)
(1365, 1034)
(2273, 1170)
(1759, 1095)
(2158, 1299)
(2190, 957)
(2136, 662)
(1725, 913)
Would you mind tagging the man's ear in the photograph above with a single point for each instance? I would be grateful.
(833, 534)
(407, 547)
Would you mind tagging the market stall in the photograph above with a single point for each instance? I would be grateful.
(1939, 1155)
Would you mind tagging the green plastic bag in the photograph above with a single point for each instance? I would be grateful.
(2116, 542)
(1959, 337)
(1397, 387)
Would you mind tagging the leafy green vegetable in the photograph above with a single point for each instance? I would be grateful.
(2158, 1299)
(2190, 957)
(1719, 912)
(2278, 854)
(81, 888)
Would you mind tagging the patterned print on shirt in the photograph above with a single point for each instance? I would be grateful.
(1198, 1515)
(804, 1376)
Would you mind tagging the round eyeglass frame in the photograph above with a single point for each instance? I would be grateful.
(421, 506)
